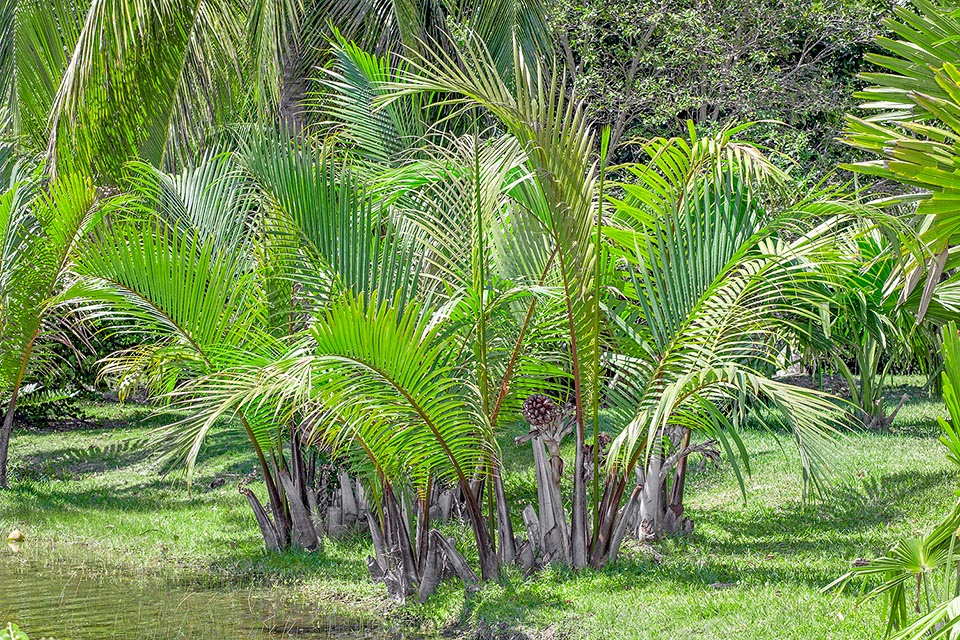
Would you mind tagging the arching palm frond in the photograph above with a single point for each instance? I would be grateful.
(718, 288)
(147, 80)
(159, 281)
(384, 135)
(558, 142)
(213, 198)
(371, 375)
(505, 24)
(923, 37)
(917, 577)
(380, 369)
(462, 198)
(273, 32)
(912, 126)
(36, 37)
(352, 243)
(165, 270)
(40, 228)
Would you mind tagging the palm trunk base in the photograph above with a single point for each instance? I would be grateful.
(403, 572)
(332, 509)
(5, 432)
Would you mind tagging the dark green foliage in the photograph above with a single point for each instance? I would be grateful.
(646, 67)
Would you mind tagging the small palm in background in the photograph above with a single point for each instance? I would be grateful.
(13, 632)
(919, 578)
(41, 223)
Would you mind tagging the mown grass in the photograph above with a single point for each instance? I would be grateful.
(752, 569)
(96, 496)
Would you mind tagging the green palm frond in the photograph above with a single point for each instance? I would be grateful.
(923, 38)
(351, 242)
(273, 33)
(146, 79)
(380, 369)
(558, 142)
(159, 281)
(41, 225)
(505, 24)
(214, 198)
(906, 573)
(369, 374)
(917, 578)
(713, 283)
(460, 198)
(913, 125)
(383, 135)
(37, 37)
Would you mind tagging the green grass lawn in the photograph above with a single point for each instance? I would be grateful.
(750, 570)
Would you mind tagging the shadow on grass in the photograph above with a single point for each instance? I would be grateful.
(732, 546)
(103, 474)
(226, 452)
(754, 547)
(502, 610)
(68, 462)
(838, 527)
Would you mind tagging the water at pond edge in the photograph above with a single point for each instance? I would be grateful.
(66, 600)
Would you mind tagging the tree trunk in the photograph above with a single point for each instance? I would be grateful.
(652, 499)
(403, 570)
(291, 104)
(508, 548)
(423, 528)
(430, 570)
(625, 521)
(299, 516)
(679, 479)
(578, 507)
(609, 511)
(554, 539)
(399, 537)
(302, 533)
(660, 514)
(456, 560)
(270, 536)
(5, 432)
(489, 568)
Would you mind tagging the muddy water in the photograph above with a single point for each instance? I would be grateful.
(68, 601)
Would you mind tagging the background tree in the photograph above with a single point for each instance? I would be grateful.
(645, 68)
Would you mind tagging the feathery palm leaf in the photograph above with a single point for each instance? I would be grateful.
(915, 129)
(37, 37)
(556, 137)
(146, 80)
(351, 242)
(40, 228)
(368, 371)
(717, 289)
